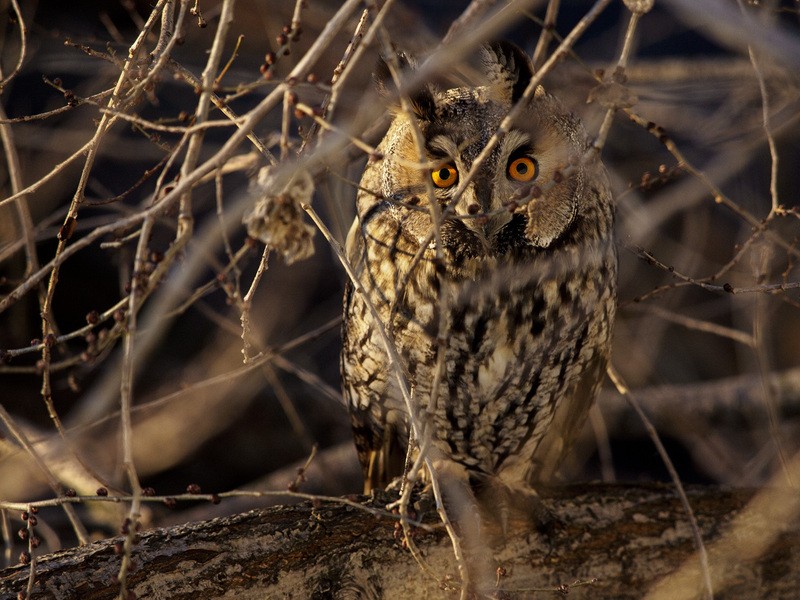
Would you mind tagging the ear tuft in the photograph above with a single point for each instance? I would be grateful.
(422, 101)
(508, 68)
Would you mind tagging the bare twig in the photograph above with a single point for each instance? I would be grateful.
(676, 480)
(547, 33)
(21, 203)
(23, 440)
(23, 47)
(247, 301)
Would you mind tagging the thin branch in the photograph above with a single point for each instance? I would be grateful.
(23, 48)
(170, 30)
(618, 76)
(704, 326)
(247, 302)
(10, 424)
(676, 480)
(21, 202)
(547, 33)
(773, 151)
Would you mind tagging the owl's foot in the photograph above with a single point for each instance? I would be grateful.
(395, 485)
(510, 511)
(538, 514)
(421, 499)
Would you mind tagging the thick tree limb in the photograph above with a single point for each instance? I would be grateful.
(627, 537)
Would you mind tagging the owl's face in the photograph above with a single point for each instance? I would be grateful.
(496, 209)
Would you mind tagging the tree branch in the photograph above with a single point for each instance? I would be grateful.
(627, 537)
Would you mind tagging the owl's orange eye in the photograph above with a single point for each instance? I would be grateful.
(523, 169)
(445, 176)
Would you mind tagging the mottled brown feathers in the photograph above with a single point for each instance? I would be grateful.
(521, 304)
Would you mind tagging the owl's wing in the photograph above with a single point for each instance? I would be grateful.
(380, 452)
(378, 442)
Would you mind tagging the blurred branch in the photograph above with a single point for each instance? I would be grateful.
(707, 401)
(473, 14)
(724, 22)
(737, 399)
(546, 35)
(753, 533)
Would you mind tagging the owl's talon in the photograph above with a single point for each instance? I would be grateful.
(425, 502)
(385, 498)
(395, 485)
(546, 521)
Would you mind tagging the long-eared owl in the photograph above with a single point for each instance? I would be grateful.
(505, 313)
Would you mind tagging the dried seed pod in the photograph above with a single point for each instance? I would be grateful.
(277, 218)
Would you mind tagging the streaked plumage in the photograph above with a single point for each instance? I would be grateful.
(526, 282)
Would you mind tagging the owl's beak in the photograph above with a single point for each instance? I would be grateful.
(485, 221)
(486, 226)
(494, 223)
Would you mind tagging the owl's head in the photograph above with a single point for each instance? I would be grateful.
(519, 195)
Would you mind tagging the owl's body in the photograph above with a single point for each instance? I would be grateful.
(520, 303)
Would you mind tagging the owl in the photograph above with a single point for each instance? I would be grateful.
(499, 298)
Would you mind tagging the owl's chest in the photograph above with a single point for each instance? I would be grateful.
(500, 323)
(489, 357)
(483, 315)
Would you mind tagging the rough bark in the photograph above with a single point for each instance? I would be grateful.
(627, 537)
